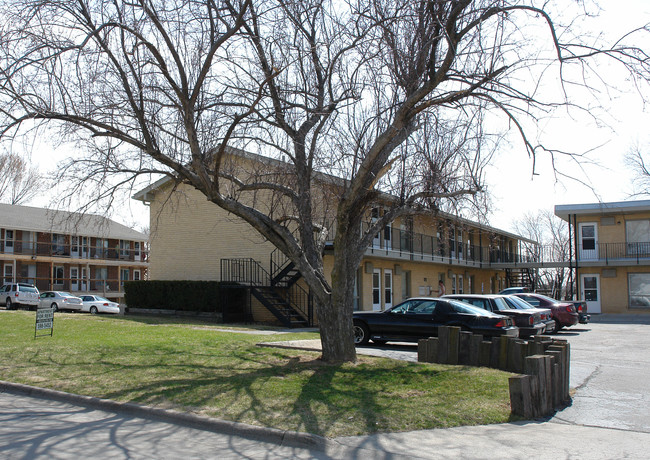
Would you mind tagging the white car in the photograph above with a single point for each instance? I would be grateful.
(96, 304)
(14, 295)
(60, 300)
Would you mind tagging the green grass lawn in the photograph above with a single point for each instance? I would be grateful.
(192, 366)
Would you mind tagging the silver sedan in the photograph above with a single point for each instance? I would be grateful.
(59, 300)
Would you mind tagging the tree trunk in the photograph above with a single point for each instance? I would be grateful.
(335, 315)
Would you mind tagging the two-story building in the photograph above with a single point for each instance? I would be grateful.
(58, 250)
(610, 254)
(193, 239)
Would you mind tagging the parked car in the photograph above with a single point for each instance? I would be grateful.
(529, 322)
(545, 313)
(96, 304)
(60, 300)
(420, 317)
(564, 313)
(581, 309)
(514, 290)
(14, 295)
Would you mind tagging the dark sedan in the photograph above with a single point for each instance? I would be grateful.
(564, 313)
(420, 317)
(545, 313)
(529, 322)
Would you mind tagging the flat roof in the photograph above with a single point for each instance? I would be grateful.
(563, 211)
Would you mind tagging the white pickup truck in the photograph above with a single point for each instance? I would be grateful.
(14, 295)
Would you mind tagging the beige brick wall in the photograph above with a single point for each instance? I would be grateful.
(194, 235)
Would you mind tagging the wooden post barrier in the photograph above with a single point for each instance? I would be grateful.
(545, 361)
(454, 344)
(464, 347)
(475, 349)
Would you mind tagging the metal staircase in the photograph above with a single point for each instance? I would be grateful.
(278, 292)
(524, 277)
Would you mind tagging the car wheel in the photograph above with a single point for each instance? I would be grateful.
(93, 310)
(54, 307)
(8, 305)
(361, 333)
(558, 326)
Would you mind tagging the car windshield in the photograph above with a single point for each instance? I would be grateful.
(516, 302)
(102, 299)
(27, 288)
(462, 307)
(65, 294)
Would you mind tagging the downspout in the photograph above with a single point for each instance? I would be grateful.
(575, 242)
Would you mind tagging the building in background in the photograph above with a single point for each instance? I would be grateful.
(58, 250)
(193, 239)
(610, 254)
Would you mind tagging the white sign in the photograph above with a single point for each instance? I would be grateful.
(44, 320)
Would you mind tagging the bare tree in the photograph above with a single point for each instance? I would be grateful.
(639, 163)
(391, 97)
(552, 234)
(19, 182)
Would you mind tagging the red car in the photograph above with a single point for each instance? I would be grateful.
(564, 313)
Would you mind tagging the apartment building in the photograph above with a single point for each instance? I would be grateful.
(193, 239)
(610, 254)
(57, 250)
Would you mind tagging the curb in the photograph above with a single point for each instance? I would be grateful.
(273, 435)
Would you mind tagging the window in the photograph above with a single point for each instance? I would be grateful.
(136, 250)
(58, 275)
(453, 284)
(639, 290)
(125, 247)
(588, 233)
(136, 275)
(124, 276)
(637, 237)
(58, 243)
(460, 284)
(28, 242)
(356, 301)
(8, 273)
(28, 273)
(102, 275)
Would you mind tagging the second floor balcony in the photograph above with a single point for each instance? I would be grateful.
(74, 251)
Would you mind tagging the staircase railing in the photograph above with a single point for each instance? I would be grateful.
(249, 272)
(244, 271)
(279, 261)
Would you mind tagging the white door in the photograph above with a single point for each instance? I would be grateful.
(9, 241)
(376, 289)
(85, 247)
(84, 279)
(8, 273)
(74, 246)
(590, 292)
(388, 288)
(588, 241)
(74, 279)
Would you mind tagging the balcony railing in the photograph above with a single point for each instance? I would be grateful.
(403, 244)
(42, 249)
(610, 252)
